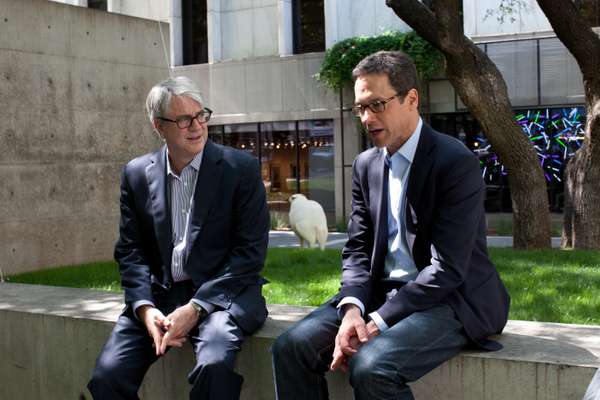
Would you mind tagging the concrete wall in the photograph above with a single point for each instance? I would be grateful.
(530, 20)
(52, 336)
(73, 82)
(157, 10)
(245, 28)
(348, 18)
(264, 89)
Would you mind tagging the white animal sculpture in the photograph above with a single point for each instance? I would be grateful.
(308, 221)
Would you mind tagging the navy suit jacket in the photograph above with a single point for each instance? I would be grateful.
(446, 234)
(228, 235)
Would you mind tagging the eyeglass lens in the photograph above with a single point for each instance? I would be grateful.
(186, 122)
(376, 107)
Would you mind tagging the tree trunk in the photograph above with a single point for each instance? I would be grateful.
(483, 90)
(581, 227)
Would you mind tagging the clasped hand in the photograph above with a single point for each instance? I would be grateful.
(353, 333)
(170, 330)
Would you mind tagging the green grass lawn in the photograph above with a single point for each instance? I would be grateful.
(550, 285)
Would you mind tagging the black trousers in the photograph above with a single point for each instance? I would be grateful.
(128, 354)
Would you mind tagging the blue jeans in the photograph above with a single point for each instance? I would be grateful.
(128, 354)
(381, 369)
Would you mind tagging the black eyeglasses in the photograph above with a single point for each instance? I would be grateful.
(185, 121)
(376, 106)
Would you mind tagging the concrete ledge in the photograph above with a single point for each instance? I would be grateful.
(51, 337)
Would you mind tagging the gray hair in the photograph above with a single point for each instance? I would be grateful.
(159, 97)
(399, 68)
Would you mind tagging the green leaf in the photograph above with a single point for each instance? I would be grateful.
(341, 58)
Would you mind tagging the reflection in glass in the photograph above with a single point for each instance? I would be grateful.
(243, 137)
(278, 161)
(295, 157)
(316, 164)
(215, 133)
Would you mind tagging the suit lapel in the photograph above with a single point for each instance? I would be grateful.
(378, 193)
(156, 174)
(419, 170)
(207, 186)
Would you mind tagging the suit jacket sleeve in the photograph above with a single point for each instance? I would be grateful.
(249, 238)
(133, 263)
(458, 207)
(356, 255)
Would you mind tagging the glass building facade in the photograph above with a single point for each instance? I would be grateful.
(556, 134)
(295, 157)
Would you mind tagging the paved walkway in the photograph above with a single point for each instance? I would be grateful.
(336, 240)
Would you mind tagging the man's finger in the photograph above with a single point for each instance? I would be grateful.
(338, 357)
(157, 339)
(361, 332)
(165, 340)
(343, 339)
(167, 324)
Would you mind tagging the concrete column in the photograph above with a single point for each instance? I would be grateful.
(113, 6)
(285, 26)
(176, 36)
(213, 21)
(331, 22)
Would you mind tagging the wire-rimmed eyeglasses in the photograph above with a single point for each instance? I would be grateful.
(377, 106)
(185, 121)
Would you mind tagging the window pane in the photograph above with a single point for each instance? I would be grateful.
(560, 77)
(317, 179)
(195, 32)
(309, 26)
(278, 163)
(517, 61)
(215, 133)
(98, 4)
(242, 137)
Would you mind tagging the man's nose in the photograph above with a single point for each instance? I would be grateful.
(367, 116)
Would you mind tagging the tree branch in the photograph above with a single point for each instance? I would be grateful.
(575, 33)
(447, 13)
(415, 14)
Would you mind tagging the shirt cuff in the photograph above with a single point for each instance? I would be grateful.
(207, 306)
(350, 300)
(376, 318)
(140, 303)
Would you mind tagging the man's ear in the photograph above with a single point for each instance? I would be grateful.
(156, 126)
(413, 98)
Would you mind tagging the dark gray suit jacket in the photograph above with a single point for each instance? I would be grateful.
(228, 236)
(446, 232)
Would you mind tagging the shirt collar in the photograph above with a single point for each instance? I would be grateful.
(195, 163)
(409, 148)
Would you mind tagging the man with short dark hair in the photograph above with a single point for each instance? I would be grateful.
(193, 239)
(417, 283)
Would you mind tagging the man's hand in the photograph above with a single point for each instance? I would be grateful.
(179, 323)
(352, 333)
(155, 322)
(372, 330)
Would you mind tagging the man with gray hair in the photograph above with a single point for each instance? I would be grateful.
(417, 283)
(192, 241)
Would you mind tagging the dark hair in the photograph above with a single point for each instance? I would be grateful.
(399, 68)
